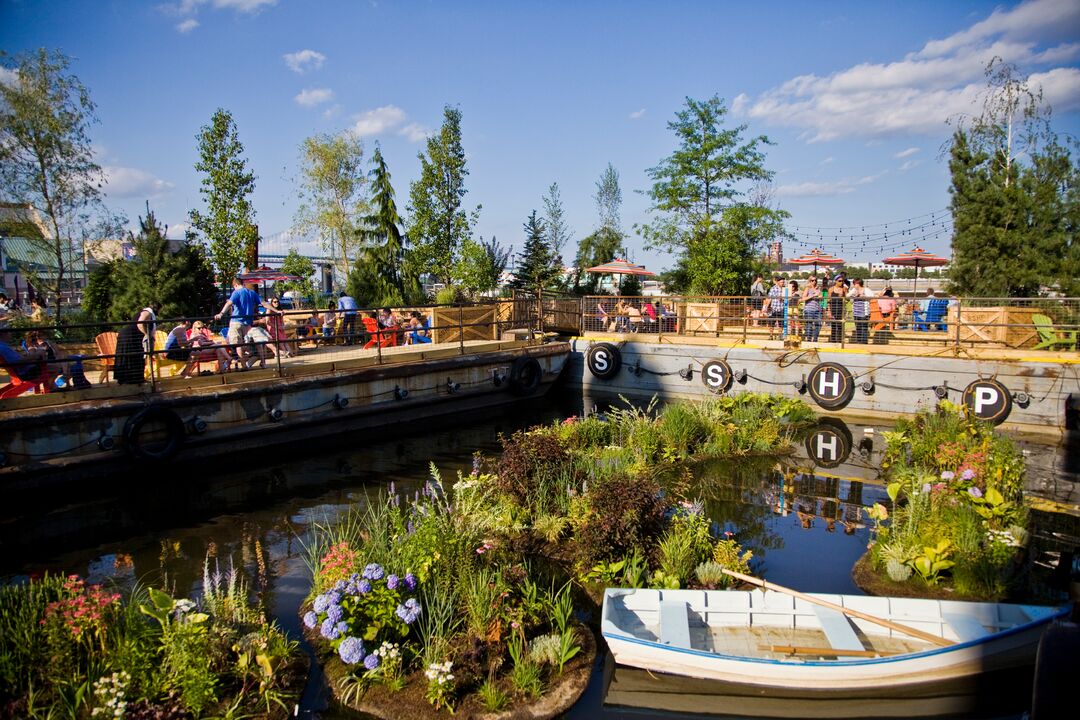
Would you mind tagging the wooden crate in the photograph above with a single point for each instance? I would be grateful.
(709, 318)
(479, 322)
(563, 315)
(1003, 326)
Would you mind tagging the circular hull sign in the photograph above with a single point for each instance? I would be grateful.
(716, 374)
(831, 385)
(988, 400)
(604, 360)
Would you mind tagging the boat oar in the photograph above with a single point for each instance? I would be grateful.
(913, 632)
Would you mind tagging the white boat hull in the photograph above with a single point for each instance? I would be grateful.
(1012, 647)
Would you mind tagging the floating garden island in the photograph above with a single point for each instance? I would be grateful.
(957, 527)
(461, 599)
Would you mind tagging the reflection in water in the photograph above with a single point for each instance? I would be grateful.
(800, 516)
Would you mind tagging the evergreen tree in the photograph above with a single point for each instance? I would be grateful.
(438, 223)
(229, 221)
(536, 267)
(701, 211)
(602, 246)
(383, 274)
(182, 281)
(558, 232)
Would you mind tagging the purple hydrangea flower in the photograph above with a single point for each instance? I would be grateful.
(321, 603)
(335, 613)
(392, 582)
(335, 597)
(352, 588)
(310, 620)
(975, 492)
(351, 650)
(329, 630)
(409, 611)
(968, 474)
(373, 571)
(410, 582)
(364, 587)
(340, 586)
(371, 662)
(948, 475)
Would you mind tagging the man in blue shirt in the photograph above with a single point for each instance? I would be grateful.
(243, 302)
(346, 305)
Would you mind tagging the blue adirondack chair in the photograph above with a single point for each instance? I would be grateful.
(933, 315)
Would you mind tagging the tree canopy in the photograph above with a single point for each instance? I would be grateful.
(700, 203)
(438, 222)
(226, 187)
(47, 161)
(537, 266)
(1014, 196)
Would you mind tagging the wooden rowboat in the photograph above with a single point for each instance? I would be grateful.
(772, 639)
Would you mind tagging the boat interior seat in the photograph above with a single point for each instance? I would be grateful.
(838, 631)
(966, 627)
(675, 623)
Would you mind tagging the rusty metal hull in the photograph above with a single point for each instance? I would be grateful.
(81, 438)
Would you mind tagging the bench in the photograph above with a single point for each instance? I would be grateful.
(674, 624)
(966, 627)
(838, 630)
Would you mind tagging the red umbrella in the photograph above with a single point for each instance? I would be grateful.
(267, 274)
(917, 258)
(816, 257)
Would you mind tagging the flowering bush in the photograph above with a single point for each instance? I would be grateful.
(109, 691)
(338, 563)
(365, 607)
(83, 611)
(440, 689)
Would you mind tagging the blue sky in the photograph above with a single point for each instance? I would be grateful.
(854, 94)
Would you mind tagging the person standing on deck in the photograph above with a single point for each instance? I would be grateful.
(346, 305)
(776, 305)
(860, 309)
(243, 303)
(837, 293)
(811, 310)
(757, 299)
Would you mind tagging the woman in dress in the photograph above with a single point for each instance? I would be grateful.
(275, 326)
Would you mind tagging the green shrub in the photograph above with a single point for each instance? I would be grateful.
(685, 544)
(622, 513)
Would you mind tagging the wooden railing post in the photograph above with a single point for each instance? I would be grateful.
(461, 328)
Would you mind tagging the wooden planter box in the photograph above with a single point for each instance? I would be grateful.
(479, 322)
(710, 318)
(1008, 326)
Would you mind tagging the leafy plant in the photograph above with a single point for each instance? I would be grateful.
(932, 561)
(492, 696)
(568, 647)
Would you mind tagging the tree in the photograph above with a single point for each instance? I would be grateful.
(699, 207)
(481, 264)
(304, 268)
(537, 266)
(608, 199)
(47, 162)
(384, 273)
(598, 248)
(558, 232)
(229, 221)
(182, 280)
(438, 224)
(1013, 196)
(333, 189)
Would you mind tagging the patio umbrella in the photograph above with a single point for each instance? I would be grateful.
(265, 274)
(917, 258)
(618, 266)
(816, 257)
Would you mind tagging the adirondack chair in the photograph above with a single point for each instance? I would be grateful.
(933, 315)
(382, 338)
(106, 346)
(24, 381)
(1050, 337)
(166, 367)
(879, 322)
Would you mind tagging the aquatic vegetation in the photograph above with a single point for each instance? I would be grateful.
(72, 649)
(958, 511)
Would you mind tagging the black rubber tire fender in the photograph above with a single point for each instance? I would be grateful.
(525, 375)
(174, 428)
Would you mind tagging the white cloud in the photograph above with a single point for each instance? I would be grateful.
(178, 231)
(823, 189)
(302, 61)
(8, 76)
(314, 96)
(637, 113)
(944, 79)
(245, 6)
(187, 25)
(415, 132)
(827, 161)
(187, 9)
(906, 153)
(126, 182)
(908, 164)
(379, 120)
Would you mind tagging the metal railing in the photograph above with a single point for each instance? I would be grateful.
(85, 356)
(1051, 324)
